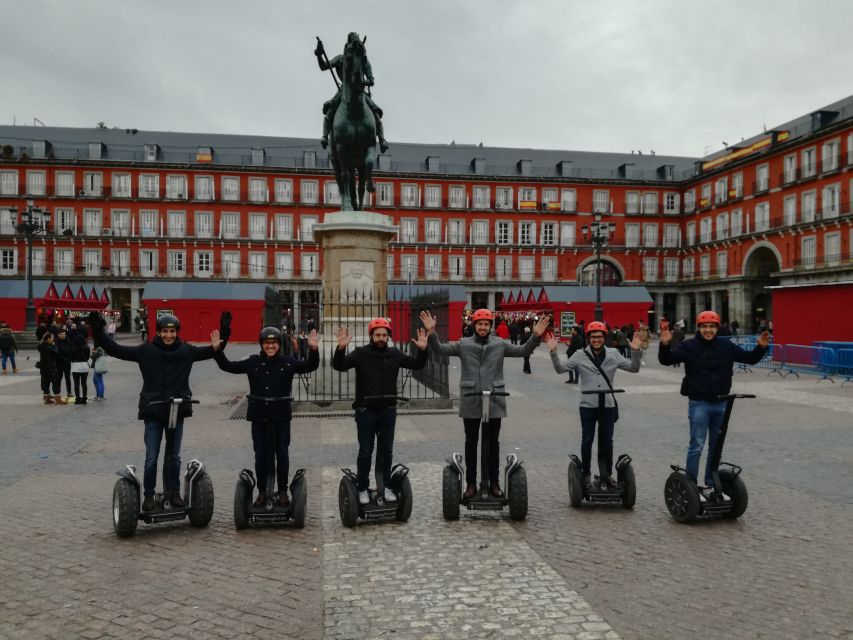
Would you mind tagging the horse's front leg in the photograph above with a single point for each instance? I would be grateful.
(366, 171)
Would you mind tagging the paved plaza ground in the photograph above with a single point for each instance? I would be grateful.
(782, 571)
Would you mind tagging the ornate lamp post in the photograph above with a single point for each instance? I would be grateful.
(34, 220)
(598, 234)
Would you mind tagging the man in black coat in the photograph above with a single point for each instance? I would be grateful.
(165, 364)
(708, 362)
(270, 374)
(376, 368)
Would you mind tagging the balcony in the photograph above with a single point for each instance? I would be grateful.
(830, 164)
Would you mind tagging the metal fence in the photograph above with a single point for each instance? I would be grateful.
(425, 388)
(800, 358)
(844, 364)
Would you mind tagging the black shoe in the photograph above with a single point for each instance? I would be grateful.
(587, 481)
(149, 504)
(495, 490)
(177, 501)
(610, 483)
(470, 490)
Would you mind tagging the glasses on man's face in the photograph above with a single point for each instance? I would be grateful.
(596, 336)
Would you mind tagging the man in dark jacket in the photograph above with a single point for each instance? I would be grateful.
(376, 368)
(708, 364)
(8, 347)
(270, 374)
(165, 364)
(66, 355)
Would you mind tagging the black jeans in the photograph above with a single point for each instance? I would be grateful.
(80, 379)
(65, 372)
(472, 437)
(374, 424)
(263, 456)
(589, 417)
(51, 379)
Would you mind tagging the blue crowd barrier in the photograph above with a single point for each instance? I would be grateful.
(772, 360)
(799, 358)
(844, 364)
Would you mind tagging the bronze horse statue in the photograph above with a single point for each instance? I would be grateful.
(353, 135)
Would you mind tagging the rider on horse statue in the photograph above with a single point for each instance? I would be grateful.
(331, 106)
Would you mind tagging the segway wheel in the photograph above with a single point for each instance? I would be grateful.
(348, 502)
(202, 509)
(300, 502)
(125, 507)
(734, 487)
(575, 487)
(242, 500)
(518, 494)
(629, 486)
(682, 497)
(451, 489)
(404, 506)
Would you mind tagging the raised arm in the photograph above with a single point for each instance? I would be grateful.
(755, 355)
(558, 365)
(632, 365)
(420, 359)
(444, 348)
(313, 359)
(666, 354)
(340, 360)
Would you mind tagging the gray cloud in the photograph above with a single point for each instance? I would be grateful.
(676, 77)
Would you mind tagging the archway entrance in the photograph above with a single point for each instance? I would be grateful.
(610, 275)
(760, 266)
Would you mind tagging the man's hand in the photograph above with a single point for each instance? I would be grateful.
(343, 337)
(95, 321)
(428, 321)
(665, 336)
(215, 341)
(636, 343)
(541, 325)
(764, 340)
(421, 341)
(551, 341)
(225, 325)
(313, 340)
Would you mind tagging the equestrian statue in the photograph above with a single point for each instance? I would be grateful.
(352, 121)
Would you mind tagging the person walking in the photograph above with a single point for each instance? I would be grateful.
(708, 362)
(8, 347)
(481, 358)
(48, 366)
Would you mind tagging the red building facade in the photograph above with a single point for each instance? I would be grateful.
(130, 206)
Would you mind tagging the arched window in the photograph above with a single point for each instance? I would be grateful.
(609, 274)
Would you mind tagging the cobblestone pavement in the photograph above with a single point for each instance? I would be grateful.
(781, 571)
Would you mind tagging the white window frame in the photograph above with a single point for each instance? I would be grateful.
(283, 227)
(408, 230)
(482, 197)
(8, 261)
(176, 263)
(8, 183)
(258, 190)
(63, 261)
(284, 190)
(808, 251)
(148, 262)
(120, 262)
(722, 264)
(306, 227)
(503, 198)
(632, 234)
(548, 234)
(149, 185)
(548, 269)
(309, 266)
(526, 233)
(567, 234)
(257, 226)
(432, 196)
(650, 234)
(331, 194)
(671, 235)
(93, 222)
(432, 267)
(650, 269)
(409, 195)
(456, 265)
(177, 224)
(257, 265)
(229, 225)
(480, 232)
(789, 210)
(526, 268)
(64, 184)
(503, 232)
(670, 269)
(230, 188)
(203, 264)
(670, 202)
(122, 186)
(231, 267)
(204, 188)
(36, 183)
(385, 194)
(503, 268)
(456, 196)
(432, 230)
(831, 249)
(808, 162)
(569, 200)
(284, 266)
(176, 187)
(203, 224)
(762, 216)
(120, 222)
(808, 205)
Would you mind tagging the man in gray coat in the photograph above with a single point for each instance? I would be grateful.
(596, 365)
(482, 361)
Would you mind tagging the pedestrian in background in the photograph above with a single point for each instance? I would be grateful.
(8, 347)
(66, 352)
(48, 366)
(99, 366)
(80, 368)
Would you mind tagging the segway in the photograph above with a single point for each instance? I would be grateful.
(271, 512)
(377, 509)
(515, 477)
(727, 498)
(197, 494)
(598, 492)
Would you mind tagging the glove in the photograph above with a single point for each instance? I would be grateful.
(225, 326)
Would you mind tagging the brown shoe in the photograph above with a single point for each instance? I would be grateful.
(283, 500)
(261, 500)
(60, 400)
(48, 399)
(470, 491)
(495, 488)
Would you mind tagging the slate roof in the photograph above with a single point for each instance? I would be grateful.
(193, 290)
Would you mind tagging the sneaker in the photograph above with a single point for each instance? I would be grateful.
(177, 501)
(390, 496)
(470, 490)
(149, 504)
(363, 497)
(261, 500)
(283, 500)
(495, 488)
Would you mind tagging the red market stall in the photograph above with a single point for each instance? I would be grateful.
(49, 302)
(803, 314)
(198, 305)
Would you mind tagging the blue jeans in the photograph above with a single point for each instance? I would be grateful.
(98, 380)
(261, 443)
(11, 356)
(589, 418)
(706, 418)
(374, 424)
(171, 460)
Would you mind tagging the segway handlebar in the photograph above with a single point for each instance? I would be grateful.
(487, 393)
(604, 391)
(729, 396)
(174, 401)
(389, 396)
(269, 399)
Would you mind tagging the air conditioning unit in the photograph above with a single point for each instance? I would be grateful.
(180, 196)
(82, 193)
(107, 232)
(499, 205)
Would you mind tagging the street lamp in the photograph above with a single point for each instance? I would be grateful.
(598, 233)
(34, 220)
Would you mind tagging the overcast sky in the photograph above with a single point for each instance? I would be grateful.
(678, 77)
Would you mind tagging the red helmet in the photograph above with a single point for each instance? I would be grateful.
(596, 326)
(378, 323)
(708, 316)
(483, 314)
